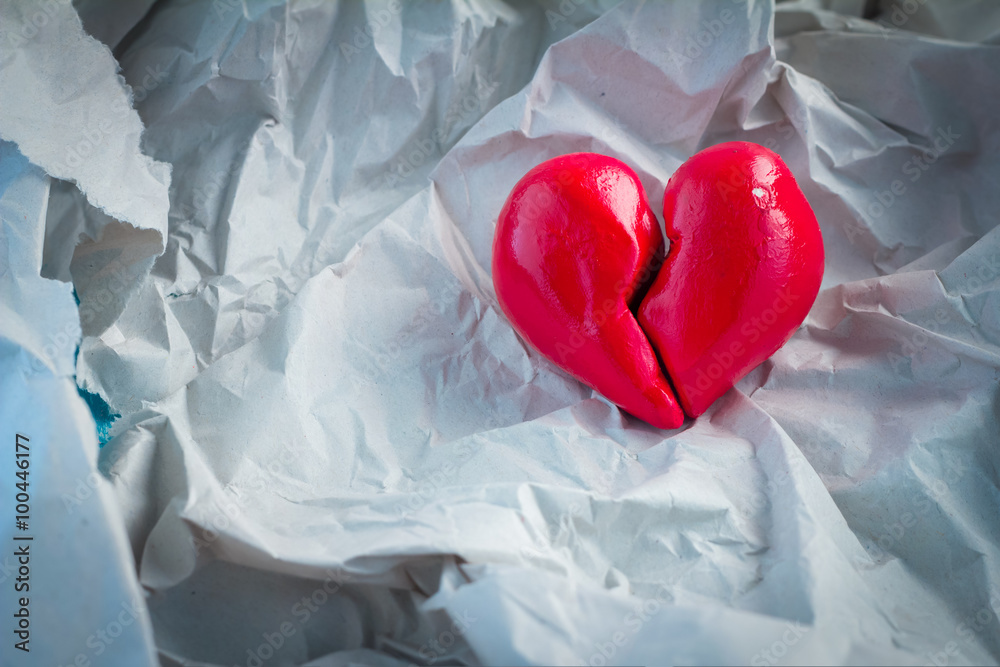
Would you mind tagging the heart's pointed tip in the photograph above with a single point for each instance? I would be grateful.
(663, 412)
(668, 422)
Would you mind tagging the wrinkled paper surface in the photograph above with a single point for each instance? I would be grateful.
(332, 449)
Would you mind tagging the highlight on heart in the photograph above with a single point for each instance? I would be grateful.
(580, 272)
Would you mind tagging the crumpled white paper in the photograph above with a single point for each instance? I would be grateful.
(333, 449)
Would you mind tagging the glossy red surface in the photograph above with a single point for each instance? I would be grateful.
(575, 244)
(744, 268)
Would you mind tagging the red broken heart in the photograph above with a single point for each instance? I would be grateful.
(576, 247)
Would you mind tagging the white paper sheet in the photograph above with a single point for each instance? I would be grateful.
(333, 449)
